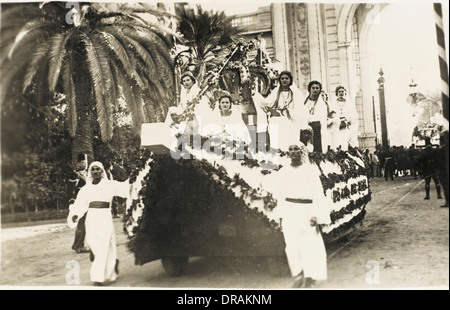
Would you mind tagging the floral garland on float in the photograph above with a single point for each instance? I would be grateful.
(173, 198)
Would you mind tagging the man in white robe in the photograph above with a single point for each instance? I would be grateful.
(302, 208)
(95, 199)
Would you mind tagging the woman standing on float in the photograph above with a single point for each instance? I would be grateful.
(188, 94)
(285, 111)
(318, 112)
(190, 97)
(344, 131)
(94, 199)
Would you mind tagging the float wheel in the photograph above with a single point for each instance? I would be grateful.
(175, 266)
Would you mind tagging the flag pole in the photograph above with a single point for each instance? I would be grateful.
(443, 67)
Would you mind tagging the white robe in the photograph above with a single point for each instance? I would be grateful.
(203, 114)
(345, 136)
(186, 96)
(305, 249)
(100, 236)
(283, 131)
(232, 126)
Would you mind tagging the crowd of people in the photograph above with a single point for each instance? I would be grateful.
(286, 110)
(427, 163)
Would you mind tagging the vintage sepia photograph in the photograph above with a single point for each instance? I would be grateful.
(213, 146)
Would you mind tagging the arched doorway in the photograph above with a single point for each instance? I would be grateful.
(354, 21)
(400, 38)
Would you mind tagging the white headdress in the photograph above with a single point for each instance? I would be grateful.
(97, 164)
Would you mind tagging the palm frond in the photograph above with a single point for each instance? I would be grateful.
(152, 67)
(109, 95)
(15, 15)
(161, 46)
(133, 100)
(98, 83)
(118, 50)
(156, 112)
(105, 66)
(149, 79)
(56, 56)
(33, 30)
(166, 33)
(38, 60)
(205, 31)
(148, 44)
(116, 84)
(150, 112)
(159, 105)
(116, 44)
(69, 91)
(39, 57)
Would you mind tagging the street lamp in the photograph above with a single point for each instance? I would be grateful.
(384, 132)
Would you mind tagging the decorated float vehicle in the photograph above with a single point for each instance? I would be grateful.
(210, 198)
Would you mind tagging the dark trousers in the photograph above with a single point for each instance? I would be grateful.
(118, 204)
(262, 141)
(389, 172)
(435, 178)
(80, 233)
(317, 137)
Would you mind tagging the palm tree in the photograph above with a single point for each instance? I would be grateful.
(425, 105)
(95, 54)
(208, 34)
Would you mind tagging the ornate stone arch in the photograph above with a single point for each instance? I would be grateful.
(345, 17)
(367, 15)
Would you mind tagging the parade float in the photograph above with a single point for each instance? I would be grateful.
(208, 199)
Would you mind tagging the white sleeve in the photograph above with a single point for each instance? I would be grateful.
(265, 102)
(121, 189)
(79, 207)
(261, 116)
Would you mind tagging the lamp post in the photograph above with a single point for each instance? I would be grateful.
(384, 133)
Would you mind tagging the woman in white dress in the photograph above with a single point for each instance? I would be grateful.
(285, 111)
(189, 95)
(94, 199)
(344, 129)
(229, 118)
(317, 111)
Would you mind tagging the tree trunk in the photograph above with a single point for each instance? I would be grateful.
(83, 140)
(11, 203)
(58, 195)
